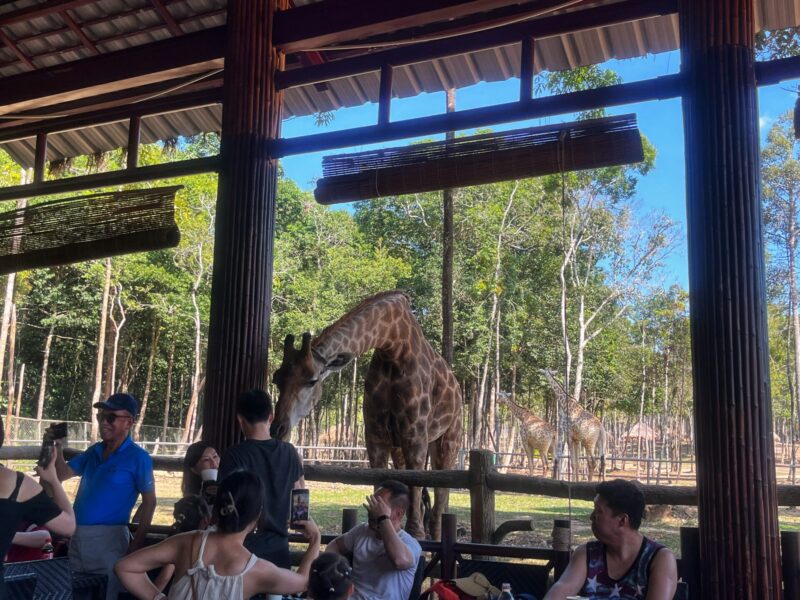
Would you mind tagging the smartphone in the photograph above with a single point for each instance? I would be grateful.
(46, 453)
(56, 431)
(299, 510)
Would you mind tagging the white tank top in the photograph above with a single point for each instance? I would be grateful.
(202, 582)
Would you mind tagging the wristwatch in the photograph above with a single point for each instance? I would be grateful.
(381, 519)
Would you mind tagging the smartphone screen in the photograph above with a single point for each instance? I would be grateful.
(299, 511)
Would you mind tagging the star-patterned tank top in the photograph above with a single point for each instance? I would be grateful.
(631, 586)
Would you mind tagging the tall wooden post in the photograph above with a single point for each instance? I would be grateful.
(739, 543)
(242, 283)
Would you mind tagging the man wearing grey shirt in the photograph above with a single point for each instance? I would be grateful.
(383, 555)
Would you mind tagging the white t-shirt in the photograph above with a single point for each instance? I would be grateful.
(374, 575)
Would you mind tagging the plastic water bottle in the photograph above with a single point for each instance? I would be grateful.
(505, 592)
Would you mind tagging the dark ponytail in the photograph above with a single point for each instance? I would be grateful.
(240, 499)
(330, 577)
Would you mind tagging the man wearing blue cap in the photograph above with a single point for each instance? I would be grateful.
(113, 473)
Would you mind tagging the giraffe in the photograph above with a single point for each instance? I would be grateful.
(537, 434)
(412, 400)
(585, 430)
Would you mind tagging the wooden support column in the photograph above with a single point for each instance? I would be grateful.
(739, 543)
(238, 334)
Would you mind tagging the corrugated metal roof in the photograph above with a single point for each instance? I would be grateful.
(118, 24)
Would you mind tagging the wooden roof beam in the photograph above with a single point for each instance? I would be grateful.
(16, 50)
(167, 17)
(321, 24)
(40, 10)
(189, 54)
(601, 16)
(76, 29)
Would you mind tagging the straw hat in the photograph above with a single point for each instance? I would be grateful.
(476, 585)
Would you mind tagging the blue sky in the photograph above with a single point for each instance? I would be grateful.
(661, 121)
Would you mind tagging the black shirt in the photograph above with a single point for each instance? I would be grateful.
(278, 466)
(40, 509)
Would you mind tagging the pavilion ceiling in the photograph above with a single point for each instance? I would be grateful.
(49, 48)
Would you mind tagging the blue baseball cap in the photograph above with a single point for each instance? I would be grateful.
(120, 401)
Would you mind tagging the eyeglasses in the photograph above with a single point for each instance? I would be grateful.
(111, 417)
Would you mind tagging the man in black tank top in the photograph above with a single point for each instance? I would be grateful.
(622, 563)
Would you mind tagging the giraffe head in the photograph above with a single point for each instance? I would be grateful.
(299, 381)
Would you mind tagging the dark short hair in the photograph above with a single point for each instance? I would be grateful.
(330, 578)
(623, 497)
(399, 495)
(239, 501)
(255, 406)
(192, 482)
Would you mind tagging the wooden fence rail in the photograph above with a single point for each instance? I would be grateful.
(481, 479)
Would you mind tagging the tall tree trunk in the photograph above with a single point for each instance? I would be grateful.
(20, 385)
(101, 338)
(149, 378)
(188, 425)
(447, 253)
(10, 371)
(641, 406)
(117, 332)
(4, 326)
(48, 344)
(493, 420)
(168, 390)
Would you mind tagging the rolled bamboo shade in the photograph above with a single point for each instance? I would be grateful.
(480, 159)
(87, 227)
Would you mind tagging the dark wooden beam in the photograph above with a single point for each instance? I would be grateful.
(770, 72)
(630, 10)
(385, 95)
(149, 63)
(320, 24)
(167, 17)
(134, 129)
(40, 10)
(76, 29)
(118, 111)
(736, 481)
(526, 69)
(660, 88)
(16, 50)
(180, 168)
(40, 158)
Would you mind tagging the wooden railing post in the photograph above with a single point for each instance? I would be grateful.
(561, 544)
(790, 563)
(481, 496)
(690, 560)
(349, 519)
(448, 555)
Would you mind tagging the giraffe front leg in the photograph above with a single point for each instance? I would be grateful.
(444, 455)
(415, 460)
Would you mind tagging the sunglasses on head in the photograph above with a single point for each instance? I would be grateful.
(111, 417)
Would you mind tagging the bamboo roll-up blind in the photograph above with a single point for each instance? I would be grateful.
(480, 159)
(87, 227)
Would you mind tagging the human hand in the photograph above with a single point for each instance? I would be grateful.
(377, 506)
(48, 473)
(309, 529)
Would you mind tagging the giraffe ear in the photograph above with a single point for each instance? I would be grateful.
(339, 362)
(288, 345)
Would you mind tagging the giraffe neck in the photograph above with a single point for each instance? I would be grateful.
(380, 322)
(517, 410)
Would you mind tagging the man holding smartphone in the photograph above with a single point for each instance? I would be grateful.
(114, 472)
(384, 556)
(278, 466)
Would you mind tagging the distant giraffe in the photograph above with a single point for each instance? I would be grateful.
(585, 430)
(537, 434)
(412, 400)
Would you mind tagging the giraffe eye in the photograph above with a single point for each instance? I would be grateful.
(311, 383)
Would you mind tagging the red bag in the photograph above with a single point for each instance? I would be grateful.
(447, 590)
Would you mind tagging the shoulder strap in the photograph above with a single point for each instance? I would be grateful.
(251, 562)
(202, 547)
(13, 496)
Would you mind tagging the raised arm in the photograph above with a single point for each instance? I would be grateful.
(571, 580)
(132, 569)
(401, 556)
(63, 524)
(63, 470)
(663, 578)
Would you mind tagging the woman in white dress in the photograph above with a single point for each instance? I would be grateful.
(214, 563)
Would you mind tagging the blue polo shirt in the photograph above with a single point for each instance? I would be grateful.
(109, 489)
